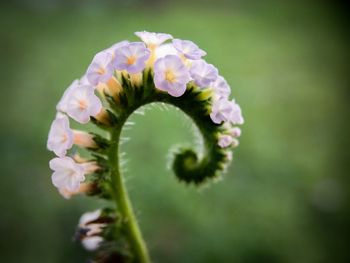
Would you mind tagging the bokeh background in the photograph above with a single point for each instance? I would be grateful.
(286, 196)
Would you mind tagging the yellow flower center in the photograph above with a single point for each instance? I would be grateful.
(131, 60)
(101, 71)
(82, 104)
(170, 76)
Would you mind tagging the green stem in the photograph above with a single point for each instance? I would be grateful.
(124, 205)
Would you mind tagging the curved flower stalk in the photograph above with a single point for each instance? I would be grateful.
(120, 80)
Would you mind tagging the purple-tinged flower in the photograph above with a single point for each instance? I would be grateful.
(220, 87)
(67, 173)
(62, 104)
(101, 68)
(82, 103)
(236, 114)
(188, 49)
(153, 40)
(225, 140)
(203, 73)
(171, 75)
(235, 132)
(131, 57)
(60, 136)
(112, 49)
(165, 49)
(221, 110)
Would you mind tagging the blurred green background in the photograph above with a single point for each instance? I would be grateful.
(286, 196)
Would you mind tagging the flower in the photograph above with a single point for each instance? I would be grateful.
(203, 73)
(236, 114)
(91, 239)
(88, 217)
(67, 173)
(225, 140)
(131, 57)
(235, 132)
(83, 188)
(227, 111)
(60, 136)
(171, 75)
(81, 103)
(112, 49)
(62, 104)
(101, 68)
(92, 243)
(220, 87)
(166, 49)
(188, 49)
(151, 39)
(221, 110)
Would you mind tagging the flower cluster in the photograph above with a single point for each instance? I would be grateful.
(122, 78)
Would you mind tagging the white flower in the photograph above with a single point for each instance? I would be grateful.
(220, 87)
(131, 57)
(203, 73)
(60, 136)
(236, 114)
(101, 68)
(92, 243)
(188, 49)
(81, 103)
(224, 110)
(88, 217)
(165, 49)
(171, 75)
(153, 40)
(67, 173)
(225, 140)
(221, 111)
(235, 132)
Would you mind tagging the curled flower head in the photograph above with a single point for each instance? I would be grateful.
(120, 80)
(153, 39)
(100, 69)
(131, 57)
(82, 103)
(221, 87)
(203, 73)
(188, 49)
(171, 75)
(67, 173)
(60, 136)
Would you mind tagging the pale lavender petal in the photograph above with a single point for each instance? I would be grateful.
(203, 73)
(188, 49)
(100, 69)
(225, 140)
(151, 38)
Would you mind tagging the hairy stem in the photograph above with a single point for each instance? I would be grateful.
(124, 205)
